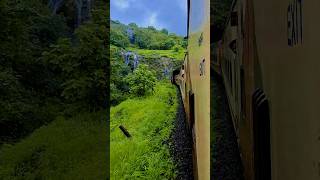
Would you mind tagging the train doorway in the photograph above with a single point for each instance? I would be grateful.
(261, 131)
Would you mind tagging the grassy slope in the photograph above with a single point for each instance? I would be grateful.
(156, 53)
(65, 149)
(163, 53)
(149, 120)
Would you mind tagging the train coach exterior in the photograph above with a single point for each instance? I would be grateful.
(193, 80)
(271, 63)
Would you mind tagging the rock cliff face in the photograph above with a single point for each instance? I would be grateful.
(75, 11)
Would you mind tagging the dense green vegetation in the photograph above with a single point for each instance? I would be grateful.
(141, 81)
(125, 38)
(174, 54)
(143, 101)
(144, 38)
(53, 92)
(149, 120)
(73, 148)
(220, 10)
(44, 70)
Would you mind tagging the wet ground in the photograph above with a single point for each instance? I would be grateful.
(181, 148)
(225, 157)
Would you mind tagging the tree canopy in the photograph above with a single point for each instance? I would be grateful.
(145, 38)
(220, 10)
(46, 67)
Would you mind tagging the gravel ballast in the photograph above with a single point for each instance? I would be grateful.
(181, 147)
(225, 158)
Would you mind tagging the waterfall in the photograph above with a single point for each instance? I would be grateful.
(167, 67)
(83, 8)
(55, 5)
(135, 61)
(130, 34)
(131, 59)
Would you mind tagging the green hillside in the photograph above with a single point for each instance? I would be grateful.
(143, 100)
(73, 148)
(149, 120)
(132, 35)
(53, 92)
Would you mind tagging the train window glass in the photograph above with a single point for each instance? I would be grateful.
(235, 82)
(234, 19)
(227, 67)
(229, 73)
(231, 79)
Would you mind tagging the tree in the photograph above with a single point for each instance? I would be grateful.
(81, 68)
(168, 44)
(152, 28)
(133, 25)
(141, 81)
(119, 88)
(220, 13)
(117, 38)
(165, 31)
(26, 87)
(177, 48)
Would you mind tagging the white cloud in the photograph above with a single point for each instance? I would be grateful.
(152, 20)
(122, 4)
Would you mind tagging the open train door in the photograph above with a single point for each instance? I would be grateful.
(261, 131)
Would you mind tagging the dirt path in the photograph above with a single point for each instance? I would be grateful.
(181, 148)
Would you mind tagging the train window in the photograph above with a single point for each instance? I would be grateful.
(231, 79)
(233, 46)
(243, 97)
(236, 83)
(227, 69)
(234, 19)
(229, 73)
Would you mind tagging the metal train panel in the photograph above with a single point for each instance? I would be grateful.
(287, 58)
(278, 84)
(199, 91)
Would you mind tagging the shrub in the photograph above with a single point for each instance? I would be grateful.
(176, 48)
(141, 81)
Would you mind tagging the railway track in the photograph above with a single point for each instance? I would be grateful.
(225, 157)
(181, 147)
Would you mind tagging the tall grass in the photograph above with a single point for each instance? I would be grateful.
(149, 120)
(73, 148)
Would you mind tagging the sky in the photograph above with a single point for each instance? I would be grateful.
(169, 14)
